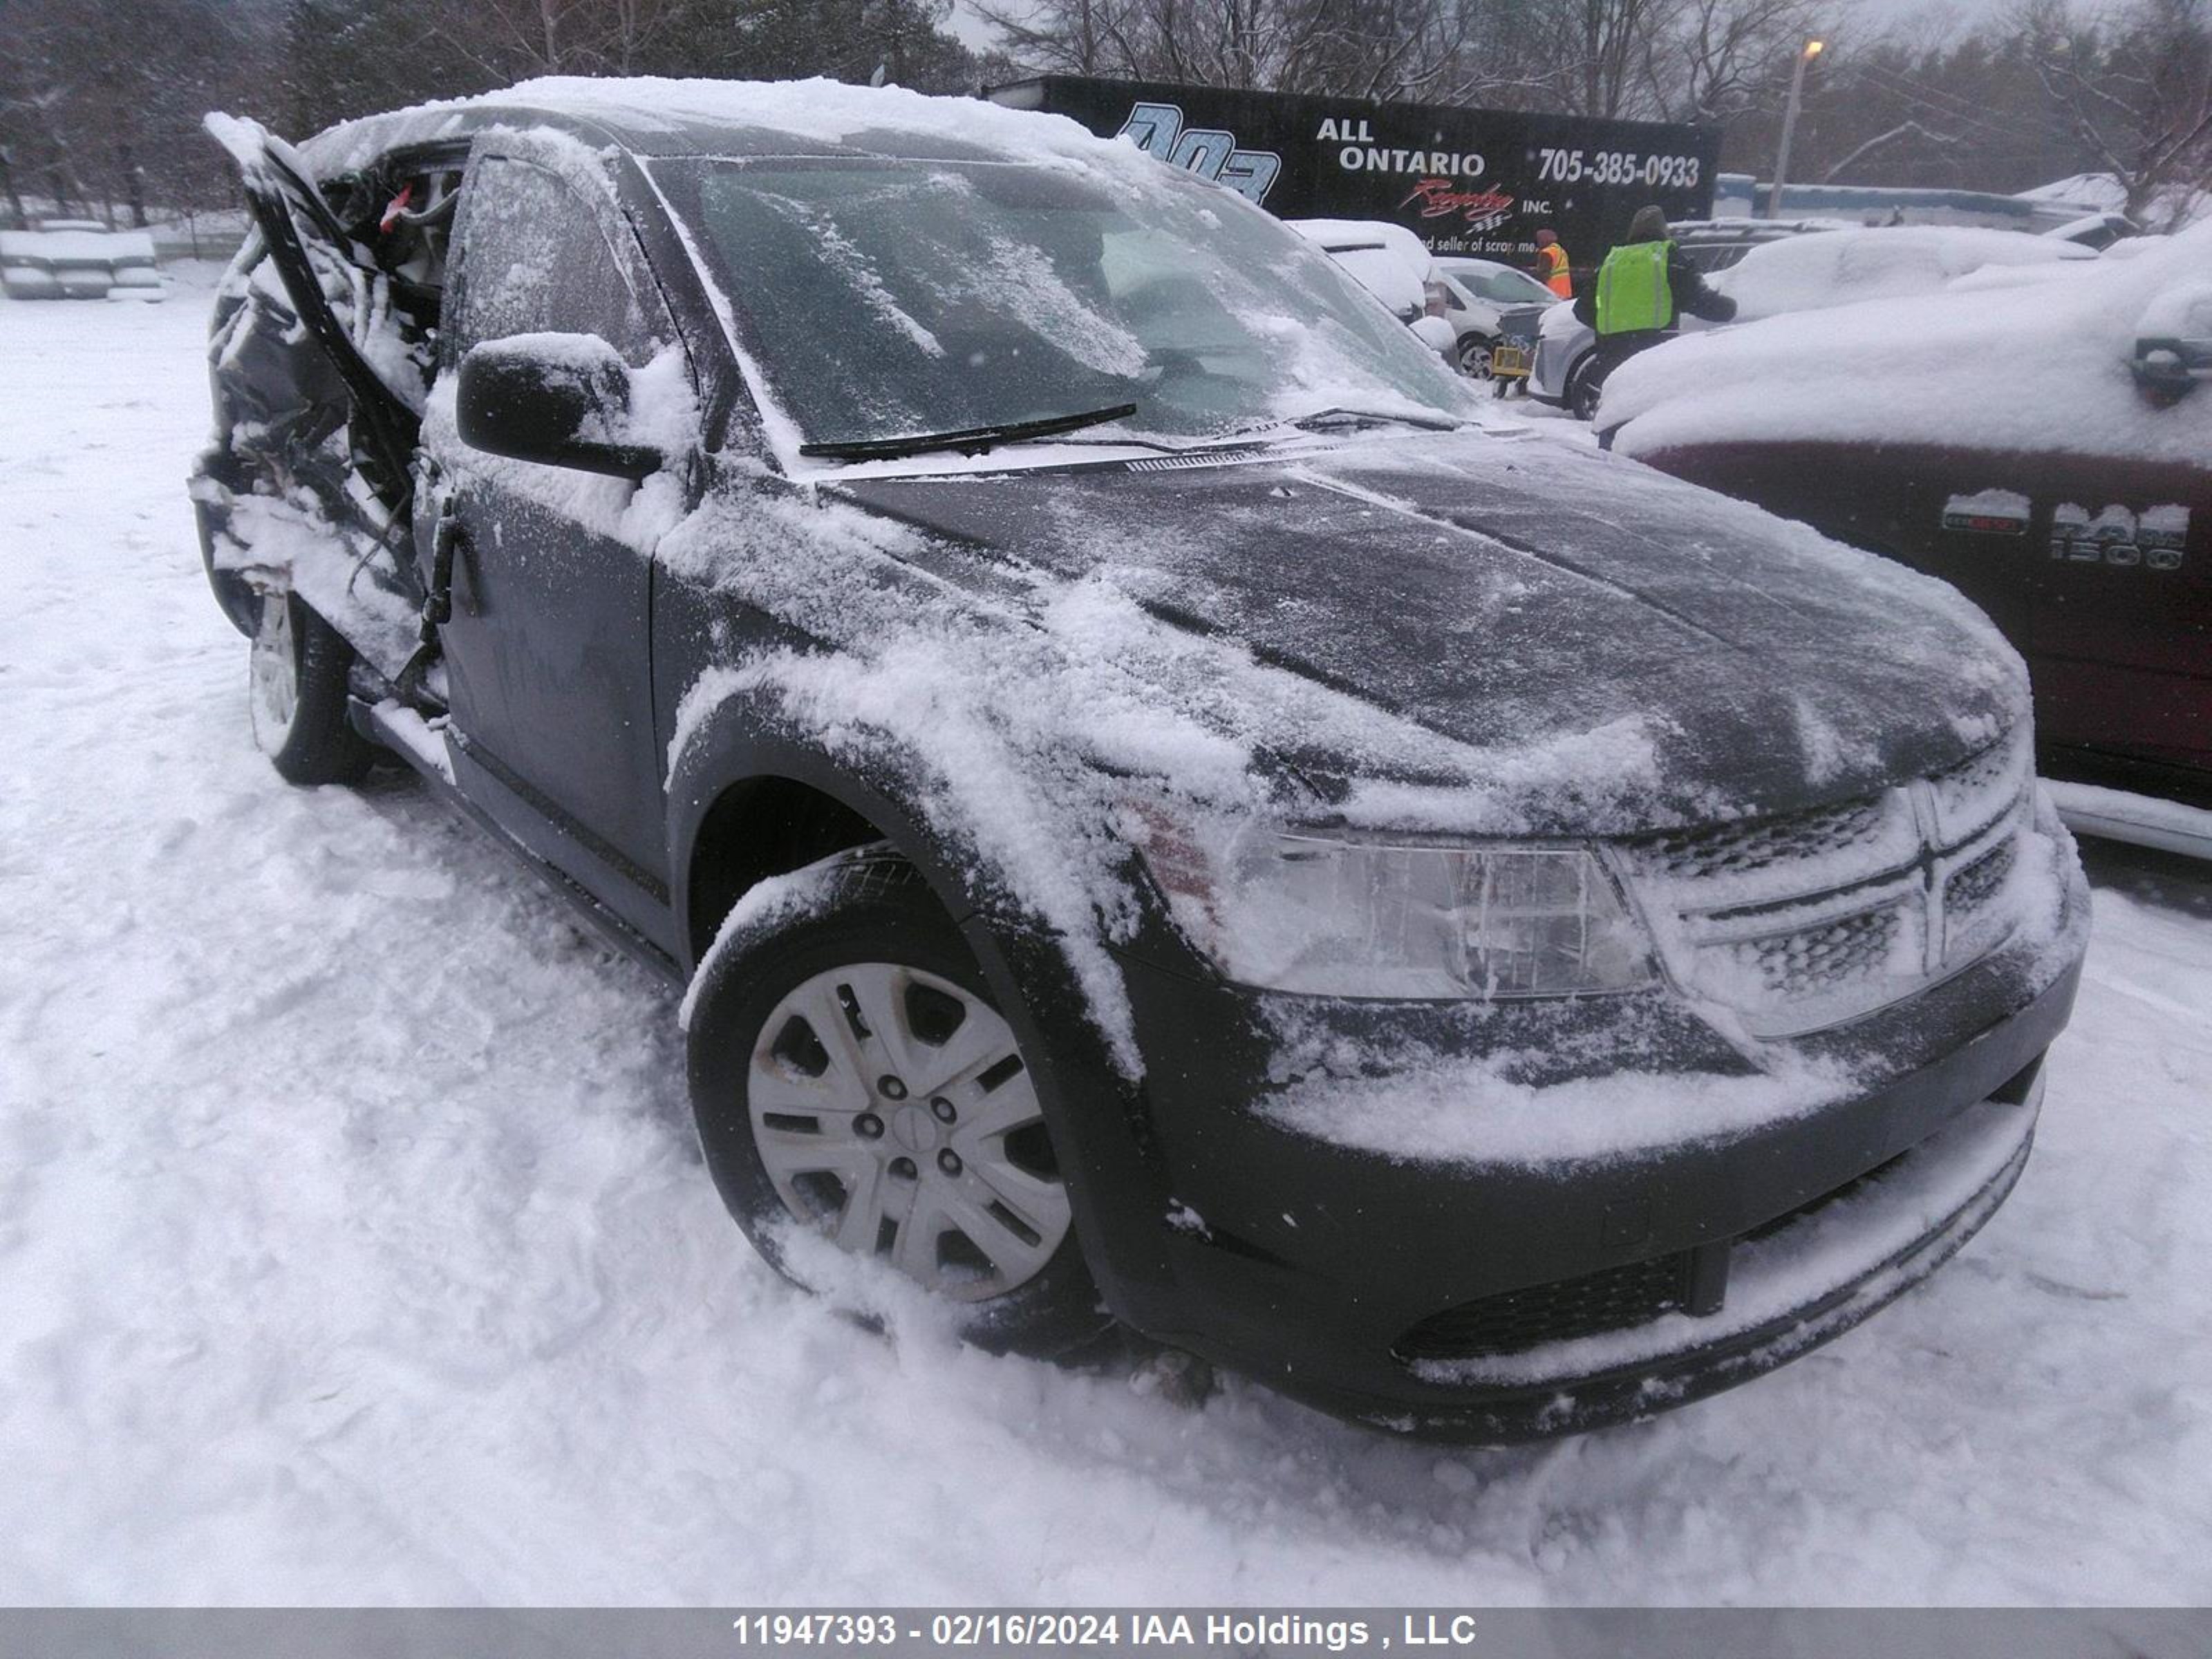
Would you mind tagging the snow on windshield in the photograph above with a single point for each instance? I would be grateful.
(2044, 368)
(883, 298)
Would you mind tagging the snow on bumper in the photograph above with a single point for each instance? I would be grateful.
(1811, 1277)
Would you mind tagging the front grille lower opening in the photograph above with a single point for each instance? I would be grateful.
(1692, 1282)
(1613, 1298)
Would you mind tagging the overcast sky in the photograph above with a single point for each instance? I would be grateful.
(1862, 13)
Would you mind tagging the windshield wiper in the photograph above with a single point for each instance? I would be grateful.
(974, 440)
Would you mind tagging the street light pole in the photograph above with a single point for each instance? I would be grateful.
(1811, 50)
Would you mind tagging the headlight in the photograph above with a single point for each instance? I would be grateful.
(1287, 911)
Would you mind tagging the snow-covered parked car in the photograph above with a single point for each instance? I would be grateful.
(1157, 812)
(1812, 268)
(1477, 294)
(2046, 447)
(78, 259)
(1395, 265)
(1564, 342)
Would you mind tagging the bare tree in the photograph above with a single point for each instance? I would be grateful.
(1715, 59)
(1882, 140)
(2136, 87)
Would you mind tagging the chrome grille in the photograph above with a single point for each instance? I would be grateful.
(1811, 919)
(1749, 849)
(1972, 918)
(1834, 954)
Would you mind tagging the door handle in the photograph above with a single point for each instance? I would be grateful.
(446, 542)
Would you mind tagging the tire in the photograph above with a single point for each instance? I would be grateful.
(1584, 386)
(857, 1126)
(1473, 356)
(296, 695)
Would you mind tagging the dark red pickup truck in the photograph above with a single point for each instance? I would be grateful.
(2044, 443)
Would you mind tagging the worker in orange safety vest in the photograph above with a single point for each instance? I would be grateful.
(1552, 266)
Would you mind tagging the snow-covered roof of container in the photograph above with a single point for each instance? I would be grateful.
(657, 117)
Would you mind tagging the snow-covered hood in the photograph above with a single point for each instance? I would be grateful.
(1607, 647)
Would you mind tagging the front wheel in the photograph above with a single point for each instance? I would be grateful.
(1474, 355)
(851, 1074)
(297, 668)
(1584, 387)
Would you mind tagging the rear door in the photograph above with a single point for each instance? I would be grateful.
(548, 649)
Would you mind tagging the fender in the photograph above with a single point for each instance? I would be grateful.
(1122, 1195)
(748, 736)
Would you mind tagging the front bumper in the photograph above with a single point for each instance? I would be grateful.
(1789, 1287)
(1512, 1299)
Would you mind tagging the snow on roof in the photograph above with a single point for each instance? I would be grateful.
(2174, 207)
(2037, 368)
(1389, 260)
(2097, 193)
(1809, 273)
(677, 116)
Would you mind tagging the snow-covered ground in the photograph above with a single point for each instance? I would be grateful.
(353, 1245)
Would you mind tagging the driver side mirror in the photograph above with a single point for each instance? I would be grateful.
(2173, 343)
(557, 399)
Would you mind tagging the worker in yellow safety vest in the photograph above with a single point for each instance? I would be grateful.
(1552, 266)
(1643, 289)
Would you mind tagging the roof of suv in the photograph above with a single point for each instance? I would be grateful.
(661, 117)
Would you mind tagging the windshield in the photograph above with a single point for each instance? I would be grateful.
(1501, 285)
(882, 298)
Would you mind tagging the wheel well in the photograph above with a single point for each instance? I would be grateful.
(761, 828)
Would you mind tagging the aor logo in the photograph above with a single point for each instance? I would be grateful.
(1157, 130)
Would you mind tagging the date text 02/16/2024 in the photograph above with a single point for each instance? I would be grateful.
(1147, 1629)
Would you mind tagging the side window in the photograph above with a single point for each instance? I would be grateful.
(535, 258)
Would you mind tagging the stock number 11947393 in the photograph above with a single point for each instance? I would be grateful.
(1616, 167)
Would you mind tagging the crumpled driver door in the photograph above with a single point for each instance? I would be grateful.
(334, 287)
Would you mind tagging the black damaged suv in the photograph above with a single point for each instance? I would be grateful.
(1162, 814)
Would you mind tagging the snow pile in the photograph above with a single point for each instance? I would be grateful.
(2045, 367)
(77, 248)
(2175, 208)
(1841, 267)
